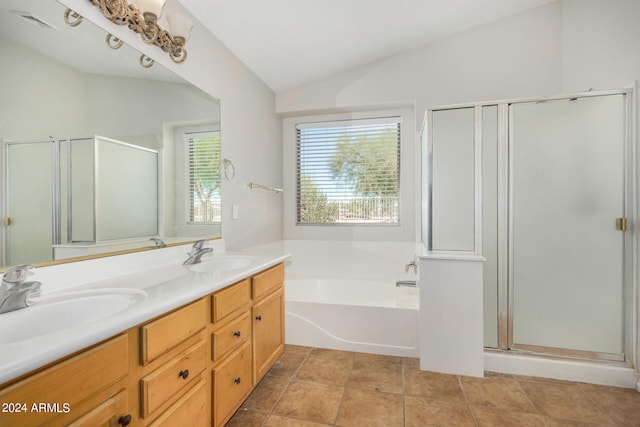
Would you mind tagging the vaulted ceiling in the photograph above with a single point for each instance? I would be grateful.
(288, 43)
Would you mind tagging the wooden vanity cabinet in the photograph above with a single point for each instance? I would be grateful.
(88, 389)
(230, 330)
(268, 319)
(172, 368)
(193, 366)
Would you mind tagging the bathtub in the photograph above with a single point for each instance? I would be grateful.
(351, 314)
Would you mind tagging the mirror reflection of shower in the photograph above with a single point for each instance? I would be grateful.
(77, 191)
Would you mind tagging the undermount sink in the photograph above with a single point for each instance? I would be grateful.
(50, 314)
(222, 262)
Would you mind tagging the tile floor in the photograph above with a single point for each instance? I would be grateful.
(312, 387)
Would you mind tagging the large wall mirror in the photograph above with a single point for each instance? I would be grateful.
(99, 154)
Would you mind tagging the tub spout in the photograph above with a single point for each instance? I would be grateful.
(408, 283)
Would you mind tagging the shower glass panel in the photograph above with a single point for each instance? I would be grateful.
(452, 180)
(567, 162)
(126, 190)
(29, 198)
(490, 223)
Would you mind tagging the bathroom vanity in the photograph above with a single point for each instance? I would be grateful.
(191, 365)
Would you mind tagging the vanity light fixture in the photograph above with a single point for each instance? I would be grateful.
(144, 21)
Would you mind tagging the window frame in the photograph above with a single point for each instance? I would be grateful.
(353, 128)
(189, 202)
(409, 200)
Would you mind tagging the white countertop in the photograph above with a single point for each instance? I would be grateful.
(160, 273)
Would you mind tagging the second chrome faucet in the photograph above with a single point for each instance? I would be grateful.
(196, 253)
(15, 290)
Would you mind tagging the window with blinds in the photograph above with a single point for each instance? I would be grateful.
(203, 170)
(347, 172)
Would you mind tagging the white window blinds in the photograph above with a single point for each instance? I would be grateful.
(203, 169)
(347, 172)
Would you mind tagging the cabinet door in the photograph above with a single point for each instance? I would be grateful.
(81, 379)
(190, 410)
(268, 333)
(231, 384)
(111, 413)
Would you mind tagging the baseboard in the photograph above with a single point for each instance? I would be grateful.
(569, 370)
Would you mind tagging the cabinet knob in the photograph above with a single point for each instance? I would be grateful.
(184, 374)
(236, 334)
(258, 317)
(125, 420)
(236, 380)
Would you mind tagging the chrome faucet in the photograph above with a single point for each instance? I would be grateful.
(15, 291)
(158, 243)
(408, 283)
(196, 253)
(413, 263)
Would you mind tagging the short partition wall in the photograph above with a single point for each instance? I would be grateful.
(451, 337)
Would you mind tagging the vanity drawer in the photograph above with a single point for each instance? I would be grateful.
(165, 333)
(107, 414)
(230, 299)
(174, 376)
(230, 336)
(267, 281)
(231, 384)
(72, 382)
(190, 410)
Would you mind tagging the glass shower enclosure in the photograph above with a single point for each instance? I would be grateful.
(76, 191)
(551, 199)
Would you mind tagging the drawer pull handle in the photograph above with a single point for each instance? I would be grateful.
(236, 334)
(236, 380)
(184, 374)
(125, 420)
(258, 317)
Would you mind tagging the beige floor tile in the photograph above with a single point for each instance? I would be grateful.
(564, 401)
(432, 385)
(420, 412)
(287, 364)
(558, 422)
(289, 348)
(496, 392)
(279, 421)
(622, 405)
(376, 358)
(411, 363)
(324, 370)
(329, 354)
(489, 417)
(247, 418)
(266, 394)
(366, 408)
(376, 376)
(310, 401)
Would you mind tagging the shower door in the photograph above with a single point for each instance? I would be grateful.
(566, 233)
(29, 202)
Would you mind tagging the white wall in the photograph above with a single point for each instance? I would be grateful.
(251, 132)
(33, 85)
(518, 56)
(600, 44)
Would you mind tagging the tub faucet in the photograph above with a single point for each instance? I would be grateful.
(14, 291)
(196, 253)
(158, 243)
(408, 283)
(413, 263)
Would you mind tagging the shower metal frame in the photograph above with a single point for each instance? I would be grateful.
(505, 222)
